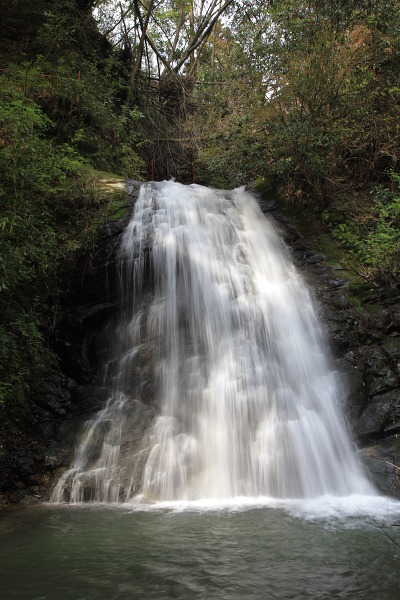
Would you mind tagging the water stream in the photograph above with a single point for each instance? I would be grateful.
(214, 313)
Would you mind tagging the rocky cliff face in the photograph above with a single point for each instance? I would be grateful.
(365, 345)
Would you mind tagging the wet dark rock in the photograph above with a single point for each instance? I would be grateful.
(378, 414)
(382, 461)
(314, 259)
(17, 497)
(82, 342)
(335, 283)
(38, 479)
(391, 348)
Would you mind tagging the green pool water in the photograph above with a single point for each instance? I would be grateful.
(110, 553)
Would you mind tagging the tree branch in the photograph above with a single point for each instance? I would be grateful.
(202, 33)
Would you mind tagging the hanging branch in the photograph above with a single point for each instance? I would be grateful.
(381, 528)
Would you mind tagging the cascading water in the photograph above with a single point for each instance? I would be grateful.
(246, 402)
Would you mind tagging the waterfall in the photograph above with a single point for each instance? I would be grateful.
(217, 326)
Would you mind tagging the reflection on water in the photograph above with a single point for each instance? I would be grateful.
(112, 553)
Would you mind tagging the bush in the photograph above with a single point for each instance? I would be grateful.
(374, 237)
(46, 198)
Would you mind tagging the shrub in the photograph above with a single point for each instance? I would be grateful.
(373, 238)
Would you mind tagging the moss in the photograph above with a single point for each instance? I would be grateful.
(354, 301)
(121, 212)
(264, 188)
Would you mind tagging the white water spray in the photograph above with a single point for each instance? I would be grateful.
(248, 405)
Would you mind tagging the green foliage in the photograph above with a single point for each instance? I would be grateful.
(132, 165)
(61, 114)
(374, 238)
(24, 356)
(319, 83)
(47, 199)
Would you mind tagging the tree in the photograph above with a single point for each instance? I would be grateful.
(317, 81)
(173, 30)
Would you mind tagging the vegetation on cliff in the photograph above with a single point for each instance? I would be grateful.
(57, 124)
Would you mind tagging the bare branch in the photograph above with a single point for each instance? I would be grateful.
(202, 32)
(140, 47)
(178, 31)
